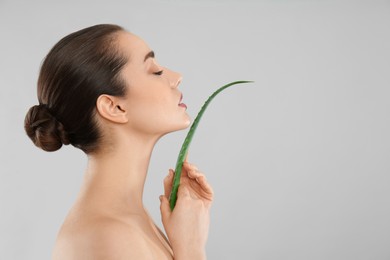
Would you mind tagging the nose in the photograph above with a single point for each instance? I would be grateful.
(175, 79)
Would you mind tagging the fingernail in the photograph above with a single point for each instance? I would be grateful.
(160, 197)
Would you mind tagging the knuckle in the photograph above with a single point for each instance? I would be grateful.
(201, 178)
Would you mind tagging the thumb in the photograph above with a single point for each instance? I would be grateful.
(164, 207)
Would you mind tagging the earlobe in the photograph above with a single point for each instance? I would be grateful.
(109, 108)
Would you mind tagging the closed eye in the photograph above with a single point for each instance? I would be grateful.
(158, 72)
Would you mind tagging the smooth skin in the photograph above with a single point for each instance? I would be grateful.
(108, 219)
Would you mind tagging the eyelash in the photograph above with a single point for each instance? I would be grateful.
(158, 72)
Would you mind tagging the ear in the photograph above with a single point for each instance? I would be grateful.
(110, 108)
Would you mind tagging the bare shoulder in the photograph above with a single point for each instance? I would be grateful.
(102, 239)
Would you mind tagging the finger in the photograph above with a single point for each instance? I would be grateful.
(186, 158)
(190, 167)
(194, 174)
(168, 180)
(164, 207)
(184, 170)
(205, 185)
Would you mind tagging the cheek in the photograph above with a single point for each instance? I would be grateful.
(151, 112)
(153, 102)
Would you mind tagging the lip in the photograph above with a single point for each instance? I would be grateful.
(182, 104)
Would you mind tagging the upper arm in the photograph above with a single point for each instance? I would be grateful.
(113, 241)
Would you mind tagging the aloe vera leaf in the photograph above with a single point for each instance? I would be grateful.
(187, 142)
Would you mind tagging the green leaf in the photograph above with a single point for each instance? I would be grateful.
(187, 142)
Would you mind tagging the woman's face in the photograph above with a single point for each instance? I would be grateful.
(153, 98)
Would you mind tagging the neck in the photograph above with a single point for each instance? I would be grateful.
(115, 177)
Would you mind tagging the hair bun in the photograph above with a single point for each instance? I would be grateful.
(44, 130)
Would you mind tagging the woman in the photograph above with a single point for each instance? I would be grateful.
(101, 90)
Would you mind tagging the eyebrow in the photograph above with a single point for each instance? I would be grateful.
(149, 55)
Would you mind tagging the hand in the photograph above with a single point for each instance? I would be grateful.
(188, 224)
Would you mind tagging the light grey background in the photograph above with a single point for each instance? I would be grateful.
(299, 161)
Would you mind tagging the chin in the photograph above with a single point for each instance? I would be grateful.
(187, 122)
(184, 124)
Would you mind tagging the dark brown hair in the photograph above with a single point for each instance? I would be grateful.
(77, 70)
